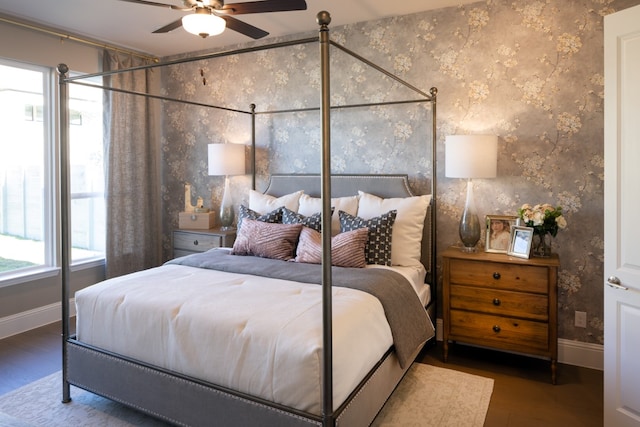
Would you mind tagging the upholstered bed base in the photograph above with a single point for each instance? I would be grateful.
(189, 402)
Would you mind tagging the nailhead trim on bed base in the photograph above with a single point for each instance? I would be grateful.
(172, 398)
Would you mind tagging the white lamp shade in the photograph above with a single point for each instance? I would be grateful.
(226, 159)
(203, 24)
(471, 156)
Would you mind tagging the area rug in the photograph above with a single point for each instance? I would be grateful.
(427, 396)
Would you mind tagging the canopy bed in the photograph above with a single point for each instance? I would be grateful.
(275, 363)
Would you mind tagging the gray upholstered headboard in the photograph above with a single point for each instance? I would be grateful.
(385, 186)
(341, 185)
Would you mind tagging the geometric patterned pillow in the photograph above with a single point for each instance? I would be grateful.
(266, 240)
(313, 221)
(274, 216)
(378, 247)
(347, 249)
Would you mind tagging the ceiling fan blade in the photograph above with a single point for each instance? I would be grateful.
(151, 3)
(244, 28)
(263, 6)
(169, 27)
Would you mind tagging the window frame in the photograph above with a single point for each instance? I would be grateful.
(51, 187)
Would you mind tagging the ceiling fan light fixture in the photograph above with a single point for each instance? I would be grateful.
(203, 24)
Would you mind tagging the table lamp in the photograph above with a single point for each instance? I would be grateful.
(226, 159)
(470, 156)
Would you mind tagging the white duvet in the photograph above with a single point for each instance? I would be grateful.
(253, 334)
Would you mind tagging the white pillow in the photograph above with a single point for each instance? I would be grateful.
(313, 205)
(406, 236)
(263, 203)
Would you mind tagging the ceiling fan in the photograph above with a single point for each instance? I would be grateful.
(211, 17)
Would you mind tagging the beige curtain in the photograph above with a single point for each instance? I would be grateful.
(132, 169)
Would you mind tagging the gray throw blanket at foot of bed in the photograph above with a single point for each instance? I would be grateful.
(408, 320)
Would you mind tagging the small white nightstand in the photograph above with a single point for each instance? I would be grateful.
(187, 242)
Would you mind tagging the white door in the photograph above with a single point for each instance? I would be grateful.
(622, 228)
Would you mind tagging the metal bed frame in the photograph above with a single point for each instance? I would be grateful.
(189, 401)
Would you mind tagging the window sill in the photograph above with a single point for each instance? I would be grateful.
(87, 263)
(27, 275)
(38, 273)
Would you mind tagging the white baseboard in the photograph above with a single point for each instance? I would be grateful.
(579, 353)
(575, 353)
(27, 320)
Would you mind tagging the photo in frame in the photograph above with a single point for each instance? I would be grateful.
(521, 238)
(498, 232)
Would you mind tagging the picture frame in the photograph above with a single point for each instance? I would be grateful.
(498, 232)
(521, 238)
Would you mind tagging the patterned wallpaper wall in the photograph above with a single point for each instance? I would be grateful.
(530, 72)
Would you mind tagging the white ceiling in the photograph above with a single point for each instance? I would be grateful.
(131, 25)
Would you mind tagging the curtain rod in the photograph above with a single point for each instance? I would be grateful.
(76, 38)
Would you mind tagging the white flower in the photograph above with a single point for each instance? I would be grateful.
(562, 223)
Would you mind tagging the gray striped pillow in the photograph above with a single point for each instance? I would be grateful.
(347, 249)
(266, 240)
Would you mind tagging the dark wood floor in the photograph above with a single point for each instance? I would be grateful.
(523, 395)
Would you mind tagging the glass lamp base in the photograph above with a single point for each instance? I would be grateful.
(468, 249)
(469, 228)
(226, 208)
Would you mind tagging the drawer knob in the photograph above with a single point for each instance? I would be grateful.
(496, 301)
(496, 275)
(195, 243)
(496, 328)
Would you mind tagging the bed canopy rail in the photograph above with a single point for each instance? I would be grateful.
(329, 416)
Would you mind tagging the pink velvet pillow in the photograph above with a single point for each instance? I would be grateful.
(266, 240)
(347, 249)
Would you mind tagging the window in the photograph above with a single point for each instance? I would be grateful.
(87, 172)
(28, 175)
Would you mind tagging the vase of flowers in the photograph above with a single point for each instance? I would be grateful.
(546, 220)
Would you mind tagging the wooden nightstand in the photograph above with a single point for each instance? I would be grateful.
(501, 302)
(187, 242)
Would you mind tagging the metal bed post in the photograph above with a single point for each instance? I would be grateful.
(253, 146)
(65, 235)
(323, 18)
(434, 180)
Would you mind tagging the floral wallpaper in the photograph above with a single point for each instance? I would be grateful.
(530, 72)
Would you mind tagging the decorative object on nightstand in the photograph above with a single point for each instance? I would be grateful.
(196, 220)
(226, 159)
(546, 220)
(504, 303)
(520, 245)
(188, 207)
(470, 156)
(195, 217)
(498, 232)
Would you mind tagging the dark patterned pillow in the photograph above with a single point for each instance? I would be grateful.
(378, 247)
(275, 216)
(313, 221)
(267, 240)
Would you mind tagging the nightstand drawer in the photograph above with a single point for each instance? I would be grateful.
(499, 275)
(500, 302)
(195, 242)
(502, 332)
